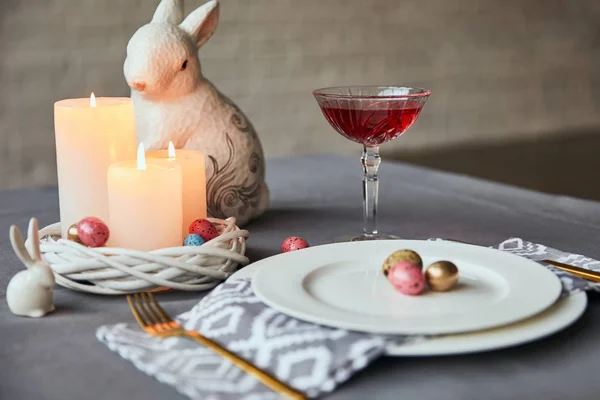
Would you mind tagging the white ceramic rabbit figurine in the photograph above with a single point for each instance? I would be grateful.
(29, 292)
(175, 102)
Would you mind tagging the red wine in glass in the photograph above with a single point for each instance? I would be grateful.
(373, 123)
(371, 115)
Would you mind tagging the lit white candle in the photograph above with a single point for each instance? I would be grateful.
(144, 199)
(90, 135)
(193, 169)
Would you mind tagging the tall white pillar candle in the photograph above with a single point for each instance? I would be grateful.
(90, 135)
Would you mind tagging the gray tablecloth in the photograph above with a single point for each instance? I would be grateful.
(319, 198)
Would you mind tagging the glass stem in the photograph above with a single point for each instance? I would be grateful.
(370, 161)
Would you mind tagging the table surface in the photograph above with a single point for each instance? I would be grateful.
(319, 198)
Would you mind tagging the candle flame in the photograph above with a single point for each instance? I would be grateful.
(92, 100)
(171, 151)
(141, 157)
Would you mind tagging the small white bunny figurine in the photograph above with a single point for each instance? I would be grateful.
(175, 102)
(29, 292)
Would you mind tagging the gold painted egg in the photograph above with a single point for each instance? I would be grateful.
(442, 276)
(401, 255)
(72, 233)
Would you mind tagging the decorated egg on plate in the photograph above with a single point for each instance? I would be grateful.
(92, 232)
(204, 228)
(407, 278)
(405, 265)
(293, 243)
(401, 255)
(193, 240)
(442, 276)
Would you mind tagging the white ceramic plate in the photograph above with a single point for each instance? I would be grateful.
(560, 315)
(341, 285)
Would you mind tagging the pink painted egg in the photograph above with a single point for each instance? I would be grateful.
(405, 265)
(204, 228)
(407, 278)
(92, 232)
(293, 243)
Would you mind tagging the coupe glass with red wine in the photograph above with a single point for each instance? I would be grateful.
(371, 115)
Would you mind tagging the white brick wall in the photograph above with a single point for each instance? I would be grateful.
(499, 70)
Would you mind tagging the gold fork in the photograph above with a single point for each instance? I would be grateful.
(155, 321)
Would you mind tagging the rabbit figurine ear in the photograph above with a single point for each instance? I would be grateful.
(33, 240)
(18, 244)
(169, 11)
(202, 22)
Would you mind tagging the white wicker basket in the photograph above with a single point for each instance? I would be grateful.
(106, 270)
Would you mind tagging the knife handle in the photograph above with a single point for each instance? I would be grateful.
(580, 272)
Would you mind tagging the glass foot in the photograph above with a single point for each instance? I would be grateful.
(363, 237)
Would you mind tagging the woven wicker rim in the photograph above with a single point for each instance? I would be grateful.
(113, 271)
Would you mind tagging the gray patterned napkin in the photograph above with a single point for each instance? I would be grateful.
(309, 357)
(538, 252)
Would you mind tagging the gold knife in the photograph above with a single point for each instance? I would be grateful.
(580, 272)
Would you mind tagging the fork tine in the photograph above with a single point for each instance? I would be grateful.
(151, 304)
(142, 307)
(138, 317)
(160, 310)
